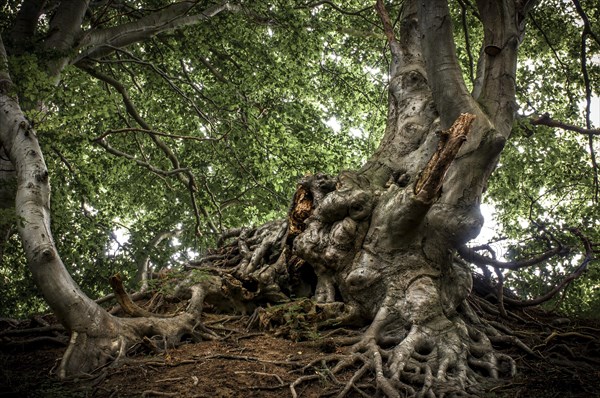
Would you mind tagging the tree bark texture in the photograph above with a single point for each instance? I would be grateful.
(381, 241)
(373, 247)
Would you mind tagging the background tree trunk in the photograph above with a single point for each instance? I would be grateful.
(8, 187)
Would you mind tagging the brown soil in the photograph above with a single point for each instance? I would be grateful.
(258, 364)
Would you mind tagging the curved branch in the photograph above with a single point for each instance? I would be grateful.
(186, 178)
(388, 29)
(127, 304)
(71, 306)
(589, 256)
(148, 166)
(129, 106)
(98, 42)
(564, 283)
(463, 18)
(546, 120)
(65, 29)
(335, 7)
(587, 31)
(586, 21)
(472, 256)
(154, 132)
(164, 76)
(5, 80)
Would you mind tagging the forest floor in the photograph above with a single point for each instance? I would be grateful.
(264, 363)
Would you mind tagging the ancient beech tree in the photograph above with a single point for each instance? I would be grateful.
(380, 243)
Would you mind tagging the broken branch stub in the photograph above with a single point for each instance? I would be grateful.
(429, 184)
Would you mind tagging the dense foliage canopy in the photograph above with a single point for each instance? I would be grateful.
(155, 149)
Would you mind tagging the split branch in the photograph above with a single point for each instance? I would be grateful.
(429, 185)
(127, 303)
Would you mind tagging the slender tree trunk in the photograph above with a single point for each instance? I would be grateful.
(8, 188)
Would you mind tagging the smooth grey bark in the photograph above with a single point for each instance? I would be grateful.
(8, 188)
(97, 43)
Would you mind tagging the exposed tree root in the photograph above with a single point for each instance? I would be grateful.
(427, 363)
(90, 351)
(336, 262)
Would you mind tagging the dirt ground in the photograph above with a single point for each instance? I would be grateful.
(260, 364)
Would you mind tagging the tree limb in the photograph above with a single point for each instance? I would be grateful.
(587, 31)
(25, 24)
(5, 80)
(546, 120)
(388, 29)
(443, 71)
(463, 18)
(128, 305)
(335, 7)
(589, 256)
(65, 28)
(472, 256)
(129, 106)
(164, 76)
(98, 42)
(187, 177)
(154, 132)
(503, 30)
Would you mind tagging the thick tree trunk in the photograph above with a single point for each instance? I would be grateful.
(384, 241)
(381, 241)
(375, 247)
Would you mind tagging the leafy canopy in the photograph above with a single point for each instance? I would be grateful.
(245, 103)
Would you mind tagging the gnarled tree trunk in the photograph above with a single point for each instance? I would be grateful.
(379, 241)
